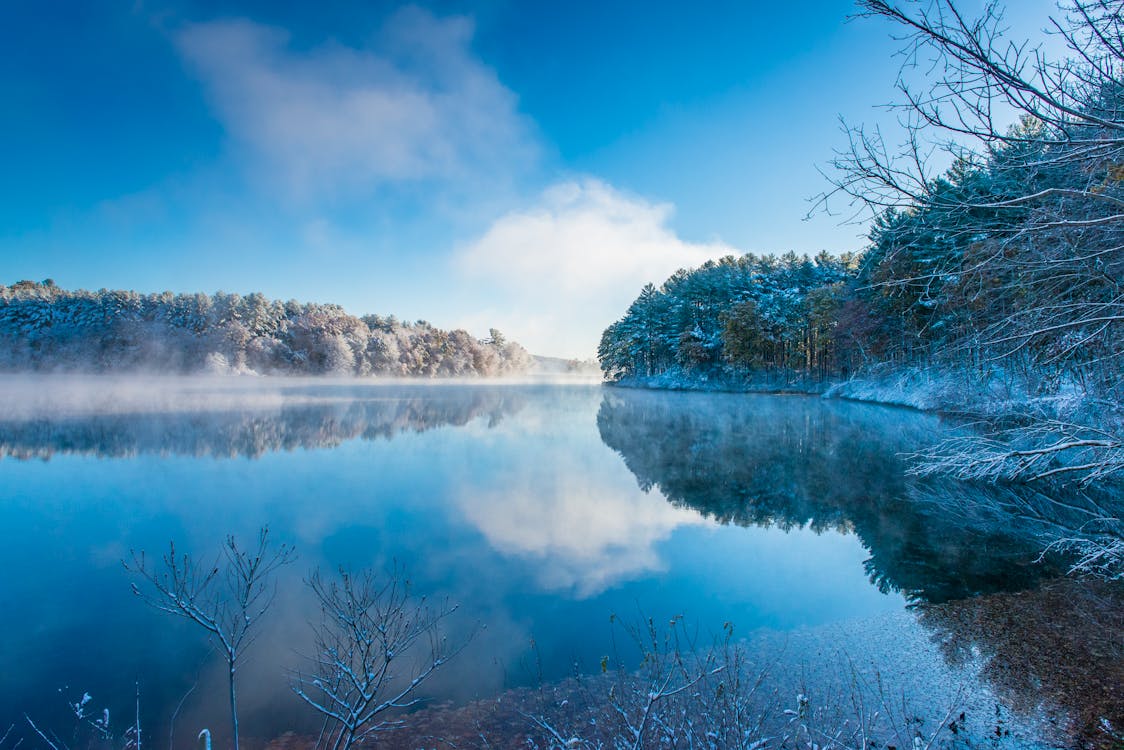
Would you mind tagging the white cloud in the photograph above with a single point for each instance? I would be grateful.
(416, 105)
(414, 129)
(577, 259)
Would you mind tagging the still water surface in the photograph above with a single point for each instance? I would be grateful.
(540, 509)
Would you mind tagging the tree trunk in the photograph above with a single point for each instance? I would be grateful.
(233, 706)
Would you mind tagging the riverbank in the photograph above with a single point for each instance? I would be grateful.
(991, 396)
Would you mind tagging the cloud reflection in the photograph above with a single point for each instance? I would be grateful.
(578, 535)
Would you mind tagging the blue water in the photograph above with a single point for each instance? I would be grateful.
(540, 510)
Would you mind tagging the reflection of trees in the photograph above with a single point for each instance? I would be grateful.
(1056, 647)
(303, 418)
(794, 462)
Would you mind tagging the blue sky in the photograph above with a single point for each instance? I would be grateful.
(522, 165)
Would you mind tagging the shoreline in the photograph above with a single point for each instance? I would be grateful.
(836, 390)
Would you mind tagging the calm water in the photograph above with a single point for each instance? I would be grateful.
(540, 509)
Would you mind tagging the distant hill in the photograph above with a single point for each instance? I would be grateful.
(46, 328)
(562, 366)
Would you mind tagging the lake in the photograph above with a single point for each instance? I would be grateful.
(540, 509)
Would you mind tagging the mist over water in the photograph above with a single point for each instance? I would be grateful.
(539, 507)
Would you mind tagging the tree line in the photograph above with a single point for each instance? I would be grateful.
(1012, 261)
(735, 316)
(1006, 267)
(46, 328)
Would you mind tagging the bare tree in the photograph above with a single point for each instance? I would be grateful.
(1027, 453)
(225, 598)
(375, 646)
(983, 83)
(1025, 233)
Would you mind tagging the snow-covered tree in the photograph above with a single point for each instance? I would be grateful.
(43, 327)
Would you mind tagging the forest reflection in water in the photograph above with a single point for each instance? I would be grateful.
(221, 417)
(793, 462)
(460, 481)
(974, 559)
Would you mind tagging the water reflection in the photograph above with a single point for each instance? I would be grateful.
(751, 461)
(201, 417)
(503, 498)
(969, 557)
(577, 530)
(795, 462)
(580, 534)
